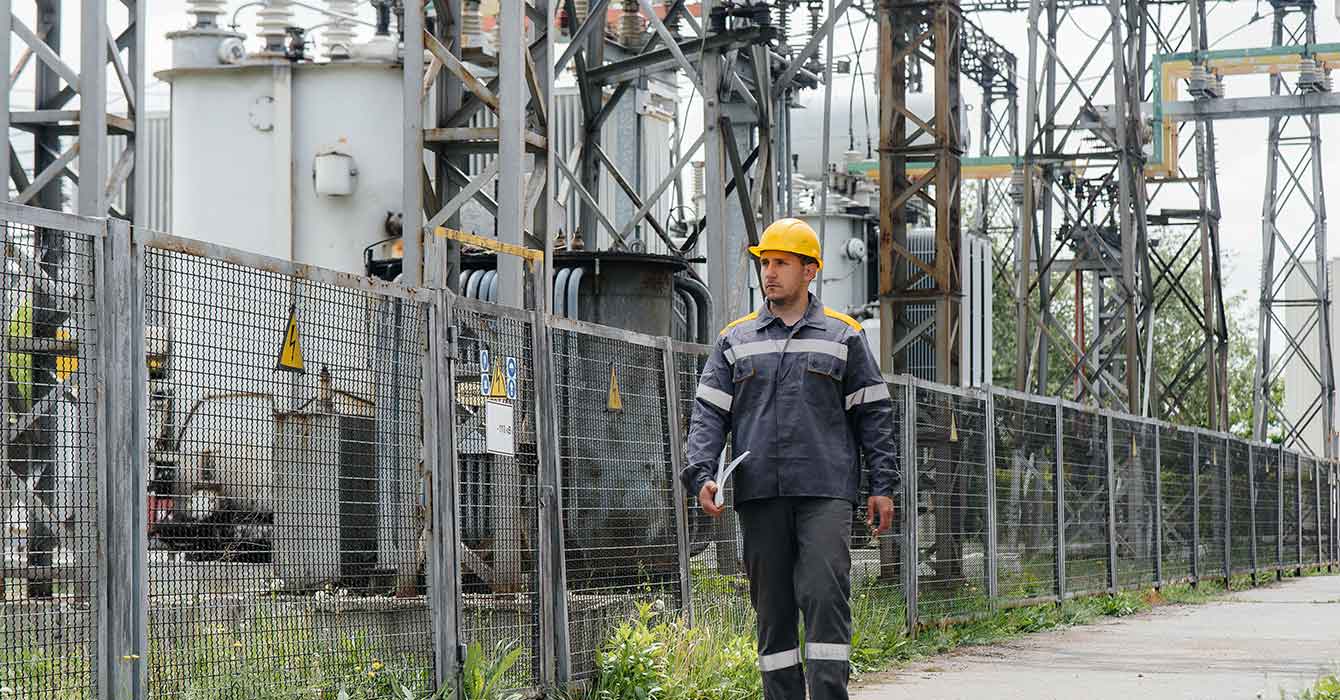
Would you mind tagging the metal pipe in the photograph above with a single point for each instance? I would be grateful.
(493, 286)
(472, 283)
(575, 286)
(690, 312)
(827, 136)
(703, 296)
(561, 291)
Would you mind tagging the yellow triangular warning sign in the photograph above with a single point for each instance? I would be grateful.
(615, 402)
(290, 354)
(953, 429)
(498, 389)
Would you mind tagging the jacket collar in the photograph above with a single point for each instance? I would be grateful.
(814, 315)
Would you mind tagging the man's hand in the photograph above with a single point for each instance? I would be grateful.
(883, 507)
(707, 498)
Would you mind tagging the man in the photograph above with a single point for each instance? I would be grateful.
(795, 385)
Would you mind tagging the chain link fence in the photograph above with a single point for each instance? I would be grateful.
(297, 481)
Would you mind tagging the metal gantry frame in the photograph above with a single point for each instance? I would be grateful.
(1084, 170)
(1294, 269)
(1183, 254)
(43, 84)
(907, 30)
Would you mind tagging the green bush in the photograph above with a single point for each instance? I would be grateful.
(650, 658)
(1327, 688)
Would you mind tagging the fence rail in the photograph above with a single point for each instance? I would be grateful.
(233, 475)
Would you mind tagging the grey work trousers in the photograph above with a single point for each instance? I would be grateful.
(796, 553)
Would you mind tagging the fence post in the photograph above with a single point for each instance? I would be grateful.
(1298, 512)
(992, 531)
(1228, 515)
(1158, 508)
(122, 415)
(1195, 508)
(910, 474)
(1251, 497)
(439, 443)
(675, 422)
(556, 654)
(1279, 513)
(1111, 511)
(1060, 502)
(1316, 496)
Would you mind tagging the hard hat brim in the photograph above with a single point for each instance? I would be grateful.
(758, 251)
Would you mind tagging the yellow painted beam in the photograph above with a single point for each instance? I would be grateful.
(529, 254)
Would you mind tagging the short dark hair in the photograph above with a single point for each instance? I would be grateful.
(807, 260)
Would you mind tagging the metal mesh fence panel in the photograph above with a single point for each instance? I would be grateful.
(497, 494)
(1213, 502)
(720, 591)
(286, 546)
(1289, 490)
(48, 491)
(1176, 452)
(1240, 504)
(1084, 470)
(1134, 476)
(1310, 530)
(950, 463)
(1266, 474)
(1025, 498)
(621, 547)
(1328, 512)
(876, 561)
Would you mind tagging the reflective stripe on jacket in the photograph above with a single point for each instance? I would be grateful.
(801, 400)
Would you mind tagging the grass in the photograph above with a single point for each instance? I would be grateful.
(654, 656)
(723, 638)
(268, 653)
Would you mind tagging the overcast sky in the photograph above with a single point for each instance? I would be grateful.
(1242, 144)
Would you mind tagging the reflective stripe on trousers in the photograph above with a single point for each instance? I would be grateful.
(797, 557)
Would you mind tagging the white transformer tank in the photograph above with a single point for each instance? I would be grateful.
(297, 161)
(312, 162)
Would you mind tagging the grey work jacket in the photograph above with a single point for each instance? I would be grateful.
(801, 400)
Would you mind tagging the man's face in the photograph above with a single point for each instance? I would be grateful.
(785, 277)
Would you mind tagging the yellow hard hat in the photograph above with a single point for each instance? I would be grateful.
(790, 236)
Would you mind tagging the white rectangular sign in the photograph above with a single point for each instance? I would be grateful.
(499, 433)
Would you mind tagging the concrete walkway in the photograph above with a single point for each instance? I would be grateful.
(1251, 645)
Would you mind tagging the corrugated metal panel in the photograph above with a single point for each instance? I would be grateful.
(156, 131)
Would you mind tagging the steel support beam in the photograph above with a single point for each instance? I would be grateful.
(1294, 269)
